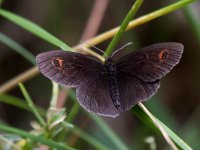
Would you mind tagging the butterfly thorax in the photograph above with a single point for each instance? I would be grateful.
(110, 68)
(111, 73)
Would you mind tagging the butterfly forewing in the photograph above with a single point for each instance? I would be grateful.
(67, 68)
(151, 63)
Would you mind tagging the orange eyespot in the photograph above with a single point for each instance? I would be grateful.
(57, 62)
(163, 54)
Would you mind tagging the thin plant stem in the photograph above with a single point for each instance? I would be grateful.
(26, 75)
(54, 97)
(123, 27)
(95, 19)
(31, 105)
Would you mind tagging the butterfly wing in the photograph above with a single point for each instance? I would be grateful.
(139, 72)
(153, 62)
(67, 68)
(94, 96)
(83, 72)
(133, 90)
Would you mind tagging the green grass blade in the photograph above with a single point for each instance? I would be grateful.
(86, 137)
(175, 137)
(34, 29)
(31, 105)
(11, 100)
(145, 118)
(160, 110)
(157, 124)
(193, 21)
(123, 27)
(108, 131)
(40, 139)
(76, 106)
(73, 112)
(17, 48)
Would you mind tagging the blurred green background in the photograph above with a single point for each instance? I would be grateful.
(177, 103)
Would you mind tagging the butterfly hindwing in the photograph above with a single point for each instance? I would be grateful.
(67, 68)
(151, 63)
(94, 96)
(133, 90)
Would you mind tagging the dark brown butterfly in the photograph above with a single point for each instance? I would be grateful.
(116, 85)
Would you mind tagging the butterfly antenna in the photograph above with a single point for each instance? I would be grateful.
(93, 47)
(122, 48)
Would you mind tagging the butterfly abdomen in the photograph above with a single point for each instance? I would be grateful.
(111, 72)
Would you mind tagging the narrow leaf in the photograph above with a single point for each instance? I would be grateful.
(20, 103)
(40, 139)
(17, 48)
(86, 137)
(34, 29)
(145, 118)
(31, 105)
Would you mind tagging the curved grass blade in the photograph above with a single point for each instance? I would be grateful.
(157, 124)
(34, 29)
(31, 105)
(39, 139)
(73, 112)
(108, 131)
(86, 137)
(17, 48)
(146, 119)
(76, 106)
(123, 27)
(20, 103)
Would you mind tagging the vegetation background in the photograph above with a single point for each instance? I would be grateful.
(177, 104)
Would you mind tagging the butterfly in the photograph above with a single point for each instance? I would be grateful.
(111, 87)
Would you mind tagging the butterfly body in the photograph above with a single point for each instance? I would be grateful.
(111, 73)
(116, 85)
